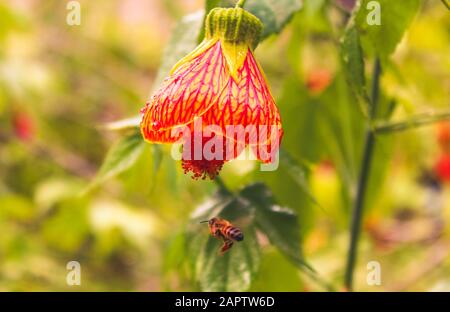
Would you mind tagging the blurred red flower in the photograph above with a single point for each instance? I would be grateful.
(23, 125)
(443, 135)
(318, 80)
(442, 168)
(347, 5)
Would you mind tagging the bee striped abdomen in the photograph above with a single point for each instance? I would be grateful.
(233, 233)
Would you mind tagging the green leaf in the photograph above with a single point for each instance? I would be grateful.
(379, 40)
(183, 41)
(280, 224)
(396, 16)
(120, 157)
(142, 177)
(298, 173)
(124, 124)
(235, 270)
(353, 66)
(274, 14)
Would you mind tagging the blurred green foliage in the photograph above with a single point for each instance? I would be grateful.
(73, 189)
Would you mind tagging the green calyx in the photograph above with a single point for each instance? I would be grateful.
(233, 25)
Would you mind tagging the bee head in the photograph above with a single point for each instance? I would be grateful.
(213, 221)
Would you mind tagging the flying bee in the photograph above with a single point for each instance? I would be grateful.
(224, 230)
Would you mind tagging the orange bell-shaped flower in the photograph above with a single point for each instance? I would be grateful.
(216, 100)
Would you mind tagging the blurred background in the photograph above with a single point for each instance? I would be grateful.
(60, 84)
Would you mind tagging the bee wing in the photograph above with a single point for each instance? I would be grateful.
(242, 222)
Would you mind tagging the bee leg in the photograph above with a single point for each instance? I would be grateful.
(217, 234)
(226, 245)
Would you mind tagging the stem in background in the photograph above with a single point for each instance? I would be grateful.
(240, 3)
(446, 4)
(416, 121)
(363, 180)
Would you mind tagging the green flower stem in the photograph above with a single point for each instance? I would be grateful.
(222, 187)
(240, 3)
(369, 148)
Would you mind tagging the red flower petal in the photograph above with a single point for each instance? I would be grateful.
(188, 93)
